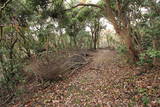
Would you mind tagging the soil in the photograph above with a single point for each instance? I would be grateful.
(105, 82)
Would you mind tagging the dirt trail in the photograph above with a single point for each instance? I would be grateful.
(90, 87)
(98, 84)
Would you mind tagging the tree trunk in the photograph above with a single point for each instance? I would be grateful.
(95, 43)
(122, 27)
(95, 40)
(155, 43)
(1, 37)
(133, 54)
(75, 42)
(1, 27)
(91, 43)
(125, 35)
(92, 37)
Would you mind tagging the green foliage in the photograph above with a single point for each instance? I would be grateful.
(145, 100)
(149, 28)
(11, 77)
(153, 53)
(11, 73)
(121, 49)
(10, 68)
(41, 3)
(147, 56)
(144, 59)
(142, 90)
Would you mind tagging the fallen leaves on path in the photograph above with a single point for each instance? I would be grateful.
(105, 82)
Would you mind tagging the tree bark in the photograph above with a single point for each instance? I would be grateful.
(75, 42)
(1, 27)
(125, 34)
(123, 29)
(156, 61)
(95, 43)
(132, 51)
(119, 21)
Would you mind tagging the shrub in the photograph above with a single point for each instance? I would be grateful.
(121, 49)
(147, 56)
(11, 75)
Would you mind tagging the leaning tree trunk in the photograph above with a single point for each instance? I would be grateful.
(125, 34)
(122, 28)
(133, 54)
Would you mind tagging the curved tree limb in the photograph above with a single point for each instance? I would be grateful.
(4, 5)
(81, 4)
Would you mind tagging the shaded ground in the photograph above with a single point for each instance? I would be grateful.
(105, 82)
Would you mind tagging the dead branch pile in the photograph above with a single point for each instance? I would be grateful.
(57, 67)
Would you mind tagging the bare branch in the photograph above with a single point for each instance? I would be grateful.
(78, 5)
(5, 4)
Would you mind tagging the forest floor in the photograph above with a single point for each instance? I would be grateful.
(105, 82)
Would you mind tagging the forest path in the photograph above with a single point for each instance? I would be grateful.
(91, 86)
(105, 82)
